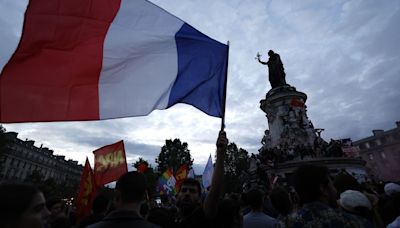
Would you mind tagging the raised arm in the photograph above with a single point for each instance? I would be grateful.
(259, 60)
(211, 201)
(264, 63)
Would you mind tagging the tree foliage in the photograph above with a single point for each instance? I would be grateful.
(174, 154)
(51, 188)
(2, 149)
(2, 137)
(2, 129)
(236, 163)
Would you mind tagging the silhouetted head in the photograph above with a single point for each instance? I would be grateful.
(100, 204)
(255, 199)
(131, 188)
(313, 183)
(189, 196)
(271, 52)
(22, 205)
(345, 181)
(281, 201)
(229, 214)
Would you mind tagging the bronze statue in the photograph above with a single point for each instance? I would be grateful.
(275, 69)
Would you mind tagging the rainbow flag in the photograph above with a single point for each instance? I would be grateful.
(166, 183)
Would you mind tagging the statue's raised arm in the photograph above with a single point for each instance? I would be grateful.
(275, 69)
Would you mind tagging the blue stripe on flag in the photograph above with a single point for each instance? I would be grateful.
(201, 71)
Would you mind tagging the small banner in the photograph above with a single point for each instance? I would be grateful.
(142, 168)
(87, 192)
(353, 151)
(208, 173)
(297, 102)
(110, 163)
(180, 176)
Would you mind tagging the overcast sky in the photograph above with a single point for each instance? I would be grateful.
(345, 55)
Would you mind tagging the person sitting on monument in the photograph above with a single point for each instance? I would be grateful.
(318, 199)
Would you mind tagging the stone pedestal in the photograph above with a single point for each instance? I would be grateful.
(289, 126)
(353, 166)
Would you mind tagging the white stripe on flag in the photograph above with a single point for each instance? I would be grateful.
(140, 62)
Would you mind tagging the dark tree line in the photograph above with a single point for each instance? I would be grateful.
(174, 153)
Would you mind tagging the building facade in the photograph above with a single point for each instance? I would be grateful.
(19, 159)
(381, 151)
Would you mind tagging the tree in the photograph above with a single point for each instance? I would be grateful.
(2, 129)
(50, 187)
(2, 149)
(174, 154)
(236, 163)
(2, 138)
(149, 173)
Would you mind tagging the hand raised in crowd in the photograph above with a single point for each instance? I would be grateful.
(222, 142)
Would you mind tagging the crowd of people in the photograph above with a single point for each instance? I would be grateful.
(314, 199)
(283, 153)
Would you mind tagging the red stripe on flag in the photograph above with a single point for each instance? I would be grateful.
(54, 73)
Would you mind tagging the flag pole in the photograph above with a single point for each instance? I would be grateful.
(224, 96)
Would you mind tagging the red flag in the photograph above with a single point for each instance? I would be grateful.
(87, 192)
(142, 168)
(110, 163)
(180, 176)
(297, 102)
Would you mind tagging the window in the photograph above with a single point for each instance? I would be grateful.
(378, 142)
(367, 145)
(372, 143)
(383, 155)
(371, 156)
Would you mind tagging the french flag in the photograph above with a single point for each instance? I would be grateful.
(103, 59)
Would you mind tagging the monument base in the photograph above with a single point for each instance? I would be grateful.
(354, 166)
(289, 126)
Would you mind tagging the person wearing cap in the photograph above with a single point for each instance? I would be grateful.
(391, 188)
(317, 195)
(357, 204)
